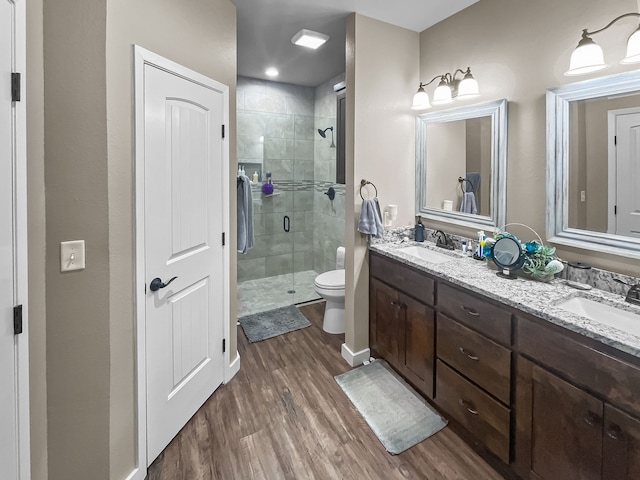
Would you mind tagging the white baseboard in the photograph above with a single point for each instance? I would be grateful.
(233, 368)
(357, 358)
(137, 474)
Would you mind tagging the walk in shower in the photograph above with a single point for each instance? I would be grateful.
(297, 228)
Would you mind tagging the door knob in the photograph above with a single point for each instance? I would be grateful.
(157, 284)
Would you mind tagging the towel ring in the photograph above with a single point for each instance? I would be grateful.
(364, 183)
(462, 180)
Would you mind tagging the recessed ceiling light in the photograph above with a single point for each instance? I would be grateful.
(271, 72)
(309, 38)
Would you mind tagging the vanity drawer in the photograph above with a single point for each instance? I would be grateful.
(418, 285)
(485, 418)
(491, 320)
(611, 377)
(481, 360)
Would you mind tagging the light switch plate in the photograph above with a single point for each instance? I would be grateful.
(72, 255)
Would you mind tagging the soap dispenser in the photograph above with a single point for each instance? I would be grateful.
(418, 235)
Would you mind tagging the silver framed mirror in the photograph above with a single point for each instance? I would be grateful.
(593, 164)
(461, 165)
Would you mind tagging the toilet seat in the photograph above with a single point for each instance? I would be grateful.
(331, 280)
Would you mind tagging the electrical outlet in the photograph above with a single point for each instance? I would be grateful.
(72, 255)
(583, 196)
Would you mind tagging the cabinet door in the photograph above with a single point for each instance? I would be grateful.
(384, 311)
(566, 430)
(418, 339)
(621, 455)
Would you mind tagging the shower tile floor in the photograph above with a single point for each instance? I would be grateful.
(255, 296)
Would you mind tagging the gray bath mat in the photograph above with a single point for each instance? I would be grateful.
(261, 326)
(398, 416)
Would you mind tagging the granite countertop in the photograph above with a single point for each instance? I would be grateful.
(536, 298)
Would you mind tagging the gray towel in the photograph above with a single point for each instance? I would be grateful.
(245, 214)
(370, 219)
(474, 180)
(468, 203)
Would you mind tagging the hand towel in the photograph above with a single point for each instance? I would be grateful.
(245, 214)
(370, 221)
(474, 180)
(468, 203)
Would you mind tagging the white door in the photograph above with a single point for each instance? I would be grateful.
(14, 401)
(183, 249)
(627, 206)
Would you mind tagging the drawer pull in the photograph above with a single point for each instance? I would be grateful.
(592, 419)
(468, 406)
(471, 356)
(614, 432)
(470, 311)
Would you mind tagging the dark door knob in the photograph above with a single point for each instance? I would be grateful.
(157, 284)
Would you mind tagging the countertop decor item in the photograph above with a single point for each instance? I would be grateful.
(540, 260)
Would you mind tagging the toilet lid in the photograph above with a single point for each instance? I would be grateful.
(331, 280)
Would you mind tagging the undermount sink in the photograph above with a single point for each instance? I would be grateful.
(603, 313)
(426, 254)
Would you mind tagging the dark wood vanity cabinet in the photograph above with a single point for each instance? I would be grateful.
(401, 326)
(473, 368)
(547, 403)
(569, 422)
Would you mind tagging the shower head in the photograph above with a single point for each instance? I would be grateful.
(322, 132)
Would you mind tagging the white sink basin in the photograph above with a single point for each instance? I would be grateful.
(426, 254)
(603, 313)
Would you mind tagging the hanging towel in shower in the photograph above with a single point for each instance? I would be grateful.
(245, 214)
(370, 221)
(468, 203)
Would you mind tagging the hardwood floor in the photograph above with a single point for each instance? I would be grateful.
(283, 416)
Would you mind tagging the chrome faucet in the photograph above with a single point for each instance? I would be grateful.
(633, 294)
(442, 240)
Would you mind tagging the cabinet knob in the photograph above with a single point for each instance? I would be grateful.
(470, 311)
(471, 356)
(592, 419)
(614, 432)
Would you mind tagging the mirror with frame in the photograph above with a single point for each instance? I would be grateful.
(593, 164)
(461, 165)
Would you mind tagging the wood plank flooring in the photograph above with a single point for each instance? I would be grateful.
(283, 416)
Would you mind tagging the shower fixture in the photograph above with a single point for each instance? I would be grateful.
(324, 135)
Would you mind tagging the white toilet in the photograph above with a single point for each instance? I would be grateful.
(330, 286)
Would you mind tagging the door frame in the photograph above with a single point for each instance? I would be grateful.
(612, 164)
(143, 57)
(20, 242)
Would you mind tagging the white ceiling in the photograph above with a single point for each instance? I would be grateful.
(265, 28)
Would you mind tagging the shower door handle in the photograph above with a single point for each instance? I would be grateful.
(287, 223)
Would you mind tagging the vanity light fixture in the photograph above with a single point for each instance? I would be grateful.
(271, 72)
(309, 38)
(448, 89)
(588, 56)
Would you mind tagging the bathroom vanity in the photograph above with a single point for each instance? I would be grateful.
(545, 392)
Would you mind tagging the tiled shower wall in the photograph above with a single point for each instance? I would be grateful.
(328, 215)
(276, 131)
